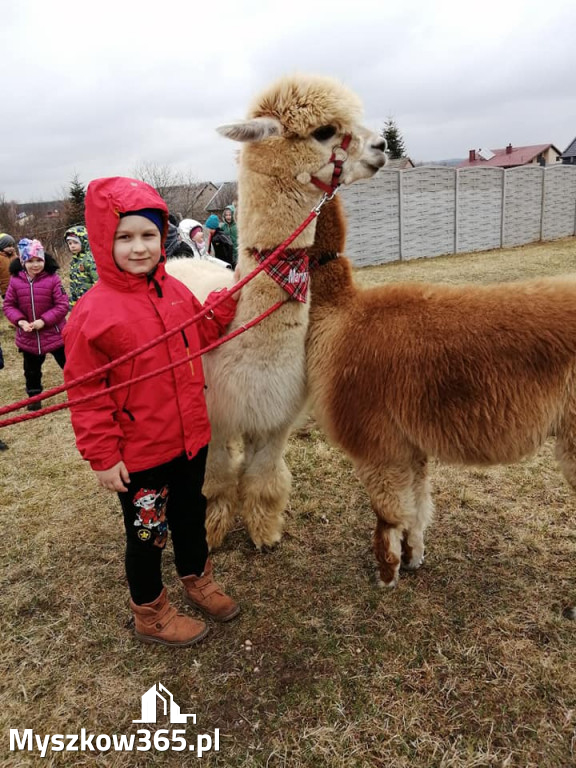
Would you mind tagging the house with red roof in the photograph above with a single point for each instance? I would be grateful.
(512, 157)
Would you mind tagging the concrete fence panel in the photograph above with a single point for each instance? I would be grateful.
(480, 193)
(523, 188)
(428, 222)
(373, 212)
(559, 208)
(430, 211)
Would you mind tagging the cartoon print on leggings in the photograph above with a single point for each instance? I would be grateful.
(151, 517)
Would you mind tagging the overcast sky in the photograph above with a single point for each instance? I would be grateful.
(99, 88)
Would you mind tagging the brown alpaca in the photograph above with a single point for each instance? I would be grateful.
(467, 374)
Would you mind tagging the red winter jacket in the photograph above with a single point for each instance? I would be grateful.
(149, 423)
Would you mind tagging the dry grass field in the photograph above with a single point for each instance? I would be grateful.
(468, 663)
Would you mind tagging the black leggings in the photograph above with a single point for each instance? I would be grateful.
(167, 496)
(33, 368)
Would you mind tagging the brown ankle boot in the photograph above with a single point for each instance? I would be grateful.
(205, 594)
(159, 622)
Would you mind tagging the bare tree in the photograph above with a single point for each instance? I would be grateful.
(8, 216)
(178, 189)
(43, 221)
(161, 177)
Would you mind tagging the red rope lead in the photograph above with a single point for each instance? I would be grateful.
(145, 347)
(138, 379)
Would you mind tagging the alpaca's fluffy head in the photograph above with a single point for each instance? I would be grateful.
(296, 123)
(301, 104)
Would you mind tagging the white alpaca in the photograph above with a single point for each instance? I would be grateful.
(200, 275)
(256, 382)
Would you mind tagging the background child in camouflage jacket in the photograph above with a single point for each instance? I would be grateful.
(83, 272)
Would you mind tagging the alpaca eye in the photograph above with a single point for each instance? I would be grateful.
(324, 133)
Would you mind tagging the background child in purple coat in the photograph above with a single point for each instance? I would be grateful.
(36, 304)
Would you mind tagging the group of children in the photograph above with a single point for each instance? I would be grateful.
(35, 302)
(186, 239)
(146, 441)
(7, 253)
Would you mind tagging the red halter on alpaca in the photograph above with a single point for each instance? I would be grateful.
(292, 271)
(338, 158)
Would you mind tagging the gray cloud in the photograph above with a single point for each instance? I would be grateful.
(132, 85)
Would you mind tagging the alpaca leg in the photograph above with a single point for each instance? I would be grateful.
(221, 489)
(264, 488)
(413, 539)
(392, 499)
(566, 445)
(566, 456)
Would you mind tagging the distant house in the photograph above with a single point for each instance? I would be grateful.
(400, 164)
(48, 209)
(226, 195)
(188, 201)
(512, 157)
(569, 154)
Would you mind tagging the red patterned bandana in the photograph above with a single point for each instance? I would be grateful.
(290, 271)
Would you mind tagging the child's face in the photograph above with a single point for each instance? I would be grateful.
(228, 215)
(137, 245)
(198, 237)
(74, 246)
(34, 266)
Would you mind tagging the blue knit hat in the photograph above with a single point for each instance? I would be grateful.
(154, 215)
(212, 222)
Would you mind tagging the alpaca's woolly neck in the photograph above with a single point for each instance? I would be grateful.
(331, 273)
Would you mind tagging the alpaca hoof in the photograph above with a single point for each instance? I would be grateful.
(265, 540)
(273, 541)
(265, 549)
(387, 584)
(266, 545)
(413, 564)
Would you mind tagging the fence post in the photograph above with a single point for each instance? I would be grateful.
(400, 214)
(456, 207)
(542, 203)
(503, 209)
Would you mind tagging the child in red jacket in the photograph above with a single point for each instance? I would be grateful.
(146, 441)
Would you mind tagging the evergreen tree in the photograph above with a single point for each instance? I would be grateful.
(390, 132)
(75, 203)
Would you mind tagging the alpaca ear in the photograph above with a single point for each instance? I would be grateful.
(251, 130)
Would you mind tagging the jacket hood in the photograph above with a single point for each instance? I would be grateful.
(184, 229)
(232, 210)
(105, 200)
(79, 231)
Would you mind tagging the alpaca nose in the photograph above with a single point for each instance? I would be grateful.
(381, 144)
